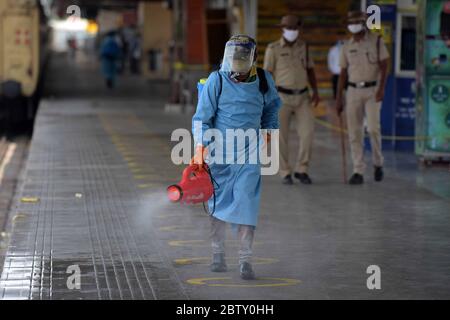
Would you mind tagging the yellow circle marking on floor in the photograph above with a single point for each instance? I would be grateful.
(203, 243)
(142, 170)
(174, 228)
(147, 185)
(19, 216)
(169, 215)
(145, 176)
(277, 282)
(206, 261)
(125, 153)
(133, 164)
(29, 199)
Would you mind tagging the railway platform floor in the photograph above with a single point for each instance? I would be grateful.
(92, 199)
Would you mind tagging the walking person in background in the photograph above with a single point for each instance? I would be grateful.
(110, 52)
(333, 64)
(72, 46)
(135, 53)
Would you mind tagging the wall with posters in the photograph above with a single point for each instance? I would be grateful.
(433, 102)
(398, 28)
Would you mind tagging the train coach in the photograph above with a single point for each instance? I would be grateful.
(23, 38)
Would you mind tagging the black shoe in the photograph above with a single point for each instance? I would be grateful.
(287, 180)
(218, 263)
(303, 177)
(378, 174)
(247, 271)
(356, 179)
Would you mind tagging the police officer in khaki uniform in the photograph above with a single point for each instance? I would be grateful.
(364, 63)
(292, 67)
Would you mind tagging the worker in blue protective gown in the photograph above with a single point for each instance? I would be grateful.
(233, 99)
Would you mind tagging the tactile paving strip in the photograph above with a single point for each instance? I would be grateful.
(84, 217)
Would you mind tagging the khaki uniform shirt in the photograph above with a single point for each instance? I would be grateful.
(288, 64)
(360, 58)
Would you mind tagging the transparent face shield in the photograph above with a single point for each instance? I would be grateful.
(238, 58)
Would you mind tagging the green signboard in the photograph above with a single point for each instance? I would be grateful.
(433, 69)
(437, 54)
(439, 115)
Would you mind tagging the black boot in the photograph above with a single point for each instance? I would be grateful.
(303, 177)
(378, 173)
(356, 179)
(218, 263)
(287, 180)
(246, 271)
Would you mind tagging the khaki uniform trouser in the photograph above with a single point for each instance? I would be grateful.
(360, 103)
(245, 236)
(299, 107)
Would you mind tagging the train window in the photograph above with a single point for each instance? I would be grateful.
(406, 45)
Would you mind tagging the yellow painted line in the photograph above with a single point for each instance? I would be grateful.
(278, 282)
(203, 243)
(29, 199)
(207, 260)
(329, 125)
(333, 127)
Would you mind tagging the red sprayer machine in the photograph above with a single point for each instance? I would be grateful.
(196, 186)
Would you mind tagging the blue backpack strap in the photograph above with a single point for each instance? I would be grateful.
(220, 81)
(263, 85)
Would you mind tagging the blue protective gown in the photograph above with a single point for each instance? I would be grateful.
(240, 106)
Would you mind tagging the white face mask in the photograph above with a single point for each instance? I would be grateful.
(355, 28)
(290, 35)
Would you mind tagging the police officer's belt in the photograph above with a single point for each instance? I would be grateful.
(363, 84)
(289, 91)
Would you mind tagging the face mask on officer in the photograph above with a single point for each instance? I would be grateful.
(355, 28)
(290, 35)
